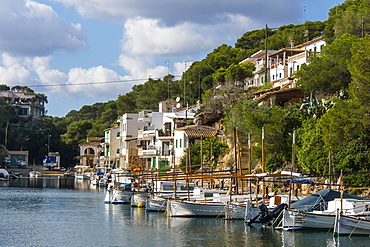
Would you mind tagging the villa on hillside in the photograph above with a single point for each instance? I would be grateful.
(279, 69)
(25, 104)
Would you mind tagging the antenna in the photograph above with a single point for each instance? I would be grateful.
(168, 77)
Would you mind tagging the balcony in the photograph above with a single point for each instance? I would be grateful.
(165, 134)
(146, 133)
(147, 152)
(145, 116)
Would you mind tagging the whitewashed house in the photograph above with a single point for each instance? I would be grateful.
(156, 138)
(111, 147)
(283, 66)
(128, 140)
(261, 71)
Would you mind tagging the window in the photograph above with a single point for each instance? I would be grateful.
(23, 112)
(117, 151)
(176, 143)
(180, 143)
(118, 134)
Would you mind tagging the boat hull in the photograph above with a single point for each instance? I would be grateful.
(349, 225)
(196, 209)
(156, 205)
(139, 200)
(294, 220)
(116, 196)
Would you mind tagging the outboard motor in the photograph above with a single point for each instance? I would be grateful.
(265, 216)
(276, 213)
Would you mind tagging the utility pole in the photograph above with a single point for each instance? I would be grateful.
(184, 78)
(266, 34)
(6, 134)
(168, 77)
(49, 143)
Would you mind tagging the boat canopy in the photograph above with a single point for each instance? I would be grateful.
(319, 200)
(301, 180)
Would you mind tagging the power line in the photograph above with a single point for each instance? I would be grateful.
(88, 83)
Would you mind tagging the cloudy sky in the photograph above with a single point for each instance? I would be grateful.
(79, 52)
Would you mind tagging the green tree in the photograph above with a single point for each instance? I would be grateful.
(77, 133)
(239, 72)
(328, 73)
(278, 125)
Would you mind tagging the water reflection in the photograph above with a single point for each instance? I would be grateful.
(51, 182)
(33, 214)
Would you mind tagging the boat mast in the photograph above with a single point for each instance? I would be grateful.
(263, 164)
(291, 185)
(250, 164)
(236, 159)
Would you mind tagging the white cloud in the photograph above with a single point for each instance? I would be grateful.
(30, 28)
(36, 73)
(146, 41)
(95, 82)
(202, 12)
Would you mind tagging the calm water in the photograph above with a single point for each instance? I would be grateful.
(65, 212)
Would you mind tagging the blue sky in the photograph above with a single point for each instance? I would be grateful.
(44, 43)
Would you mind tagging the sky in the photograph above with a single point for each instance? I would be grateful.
(80, 52)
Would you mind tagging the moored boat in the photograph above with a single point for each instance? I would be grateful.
(156, 204)
(34, 174)
(349, 225)
(4, 175)
(139, 199)
(319, 210)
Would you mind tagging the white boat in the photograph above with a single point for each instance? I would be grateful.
(349, 225)
(178, 208)
(208, 203)
(103, 182)
(119, 190)
(139, 199)
(323, 219)
(4, 175)
(168, 189)
(34, 174)
(156, 204)
(83, 172)
(117, 195)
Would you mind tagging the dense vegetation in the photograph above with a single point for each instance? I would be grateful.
(339, 124)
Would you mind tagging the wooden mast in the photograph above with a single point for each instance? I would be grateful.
(291, 185)
(263, 164)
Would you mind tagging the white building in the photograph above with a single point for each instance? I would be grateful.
(283, 65)
(129, 127)
(111, 147)
(156, 138)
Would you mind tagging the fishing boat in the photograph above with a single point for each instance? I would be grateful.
(119, 190)
(4, 175)
(156, 204)
(178, 208)
(83, 172)
(103, 182)
(318, 211)
(34, 174)
(208, 203)
(139, 199)
(163, 190)
(349, 225)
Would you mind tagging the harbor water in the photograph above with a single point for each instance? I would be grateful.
(67, 212)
